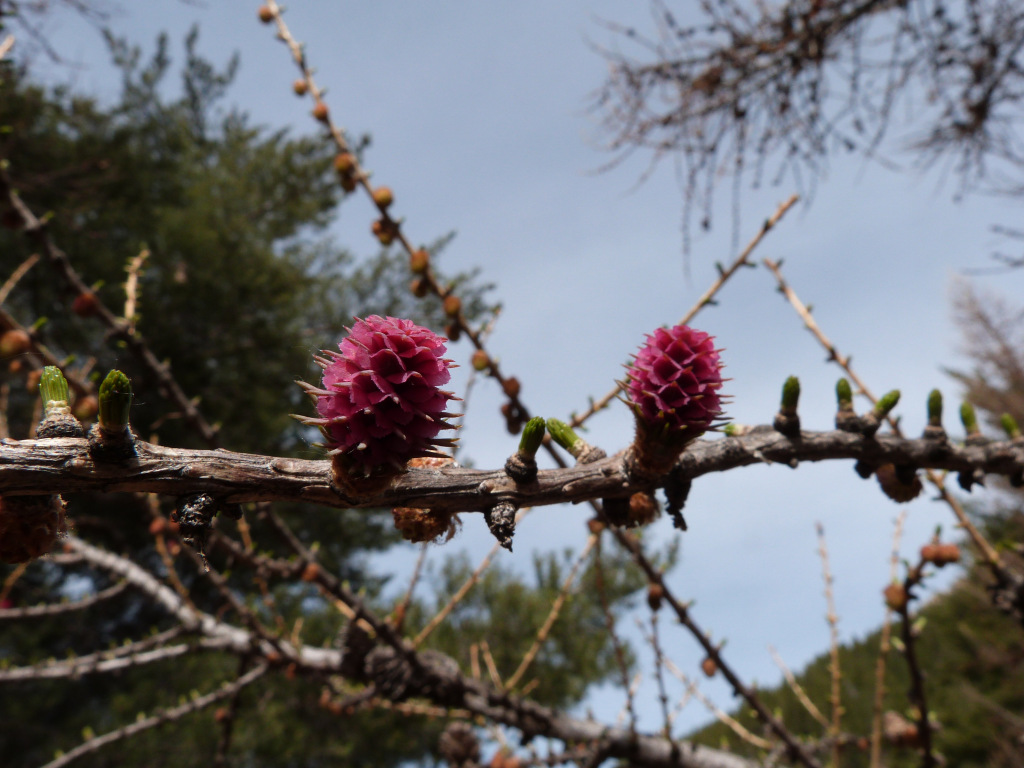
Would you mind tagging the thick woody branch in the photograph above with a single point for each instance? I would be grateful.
(65, 466)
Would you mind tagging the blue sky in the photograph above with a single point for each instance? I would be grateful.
(480, 123)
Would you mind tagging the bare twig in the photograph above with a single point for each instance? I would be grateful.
(35, 611)
(16, 275)
(36, 230)
(883, 648)
(131, 288)
(798, 690)
(723, 717)
(549, 622)
(833, 626)
(918, 697)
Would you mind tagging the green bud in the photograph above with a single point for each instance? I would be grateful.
(731, 430)
(935, 408)
(562, 434)
(533, 434)
(886, 403)
(844, 394)
(790, 394)
(53, 388)
(115, 402)
(969, 420)
(1010, 425)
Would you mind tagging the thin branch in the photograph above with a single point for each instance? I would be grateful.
(917, 695)
(549, 622)
(117, 660)
(798, 690)
(883, 649)
(35, 611)
(166, 716)
(731, 723)
(455, 599)
(16, 275)
(833, 626)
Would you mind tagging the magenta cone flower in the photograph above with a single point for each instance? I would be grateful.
(673, 387)
(381, 402)
(674, 380)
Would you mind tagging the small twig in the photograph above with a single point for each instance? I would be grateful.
(492, 668)
(833, 626)
(46, 357)
(883, 649)
(131, 288)
(988, 552)
(16, 275)
(794, 748)
(36, 230)
(12, 578)
(403, 606)
(227, 722)
(5, 400)
(549, 622)
(659, 675)
(6, 45)
(462, 591)
(35, 611)
(917, 689)
(136, 654)
(798, 690)
(734, 725)
(166, 716)
(160, 544)
(361, 177)
(609, 619)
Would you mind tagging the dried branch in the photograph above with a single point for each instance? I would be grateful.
(795, 83)
(917, 694)
(135, 654)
